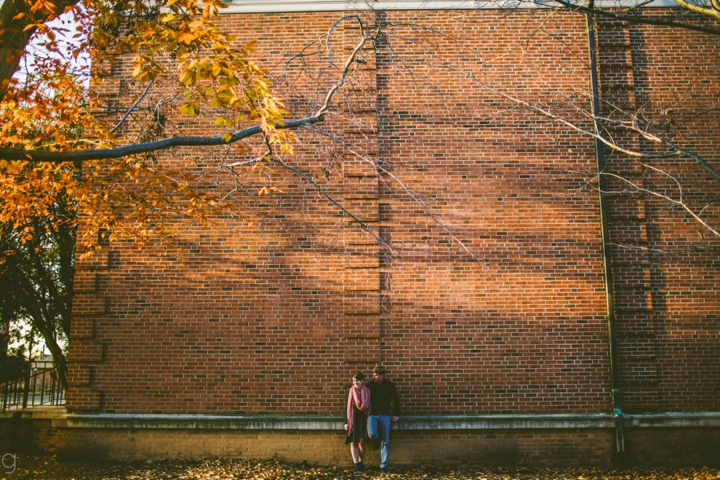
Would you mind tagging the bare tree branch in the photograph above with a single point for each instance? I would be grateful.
(130, 110)
(680, 203)
(363, 226)
(713, 12)
(676, 151)
(638, 18)
(414, 196)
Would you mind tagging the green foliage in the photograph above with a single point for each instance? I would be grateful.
(36, 277)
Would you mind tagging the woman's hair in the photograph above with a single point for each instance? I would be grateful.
(359, 376)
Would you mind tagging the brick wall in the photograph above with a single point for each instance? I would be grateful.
(500, 308)
(666, 274)
(544, 448)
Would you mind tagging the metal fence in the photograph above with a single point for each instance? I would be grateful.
(33, 384)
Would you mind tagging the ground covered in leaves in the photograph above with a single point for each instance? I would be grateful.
(46, 467)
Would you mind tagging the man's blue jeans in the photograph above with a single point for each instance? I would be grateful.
(379, 427)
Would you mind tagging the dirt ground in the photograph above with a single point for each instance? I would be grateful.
(38, 467)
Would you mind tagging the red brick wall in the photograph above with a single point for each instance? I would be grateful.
(665, 264)
(499, 309)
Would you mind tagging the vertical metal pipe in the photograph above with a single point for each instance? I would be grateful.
(26, 390)
(42, 386)
(605, 231)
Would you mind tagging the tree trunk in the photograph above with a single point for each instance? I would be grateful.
(14, 37)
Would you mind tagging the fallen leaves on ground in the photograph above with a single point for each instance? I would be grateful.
(39, 467)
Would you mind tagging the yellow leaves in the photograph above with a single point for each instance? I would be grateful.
(187, 38)
(189, 108)
(149, 33)
(145, 68)
(138, 71)
(224, 122)
(195, 25)
(268, 190)
(187, 77)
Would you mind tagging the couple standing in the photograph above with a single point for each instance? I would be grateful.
(370, 410)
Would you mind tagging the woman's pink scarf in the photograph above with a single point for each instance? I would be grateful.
(360, 399)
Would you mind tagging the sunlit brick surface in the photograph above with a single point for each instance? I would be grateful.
(488, 295)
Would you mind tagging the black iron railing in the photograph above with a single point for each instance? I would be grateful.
(32, 384)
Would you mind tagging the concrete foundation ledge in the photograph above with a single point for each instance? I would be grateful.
(672, 439)
(408, 422)
(36, 412)
(671, 419)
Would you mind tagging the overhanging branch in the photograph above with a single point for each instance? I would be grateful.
(138, 148)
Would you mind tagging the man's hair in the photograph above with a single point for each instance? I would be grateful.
(359, 376)
(380, 370)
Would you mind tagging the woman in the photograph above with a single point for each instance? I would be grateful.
(358, 407)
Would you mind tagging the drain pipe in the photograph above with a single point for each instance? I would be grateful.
(605, 231)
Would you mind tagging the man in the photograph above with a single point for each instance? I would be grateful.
(384, 402)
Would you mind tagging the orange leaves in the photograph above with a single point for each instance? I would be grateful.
(212, 70)
(173, 43)
(31, 191)
(187, 37)
(45, 6)
(45, 111)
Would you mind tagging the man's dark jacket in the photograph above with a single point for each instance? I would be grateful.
(381, 396)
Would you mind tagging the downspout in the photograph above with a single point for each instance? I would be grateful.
(605, 233)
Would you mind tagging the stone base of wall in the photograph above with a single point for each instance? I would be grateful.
(679, 446)
(531, 448)
(29, 431)
(673, 440)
